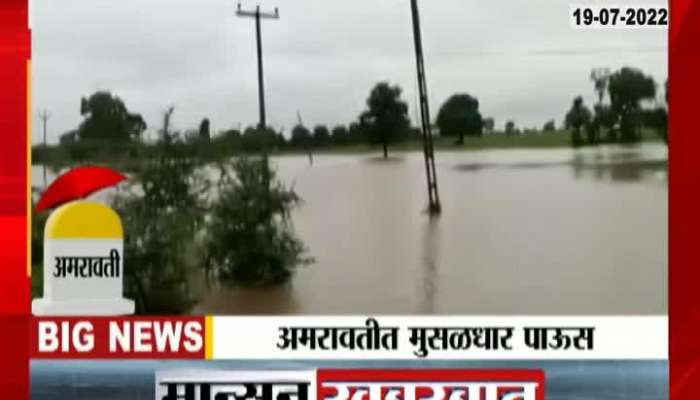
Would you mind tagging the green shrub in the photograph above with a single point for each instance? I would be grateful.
(250, 238)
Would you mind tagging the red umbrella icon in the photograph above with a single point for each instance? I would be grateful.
(76, 184)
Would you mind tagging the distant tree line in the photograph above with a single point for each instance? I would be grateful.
(625, 106)
(630, 107)
(109, 128)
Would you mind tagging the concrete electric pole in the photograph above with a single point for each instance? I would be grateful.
(258, 15)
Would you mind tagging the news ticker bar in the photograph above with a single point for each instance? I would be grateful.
(333, 337)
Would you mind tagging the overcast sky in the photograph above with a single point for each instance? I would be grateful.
(521, 59)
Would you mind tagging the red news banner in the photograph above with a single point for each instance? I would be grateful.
(127, 338)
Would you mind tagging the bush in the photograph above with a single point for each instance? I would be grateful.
(160, 227)
(250, 238)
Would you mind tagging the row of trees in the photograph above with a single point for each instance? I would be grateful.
(618, 116)
(384, 121)
(623, 116)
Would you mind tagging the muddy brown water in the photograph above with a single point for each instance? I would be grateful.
(555, 231)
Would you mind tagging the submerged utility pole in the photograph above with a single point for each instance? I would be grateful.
(261, 86)
(433, 196)
(45, 116)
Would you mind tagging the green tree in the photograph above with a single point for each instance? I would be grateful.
(657, 119)
(321, 136)
(229, 139)
(256, 139)
(68, 138)
(460, 116)
(386, 117)
(578, 117)
(510, 128)
(357, 132)
(339, 135)
(627, 87)
(161, 218)
(549, 126)
(250, 239)
(107, 119)
(301, 137)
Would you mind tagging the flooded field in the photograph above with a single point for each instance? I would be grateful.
(556, 231)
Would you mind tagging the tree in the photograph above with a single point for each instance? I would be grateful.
(301, 137)
(257, 139)
(204, 133)
(231, 134)
(460, 116)
(657, 119)
(627, 87)
(107, 118)
(230, 137)
(321, 135)
(339, 135)
(249, 237)
(68, 138)
(579, 116)
(489, 124)
(357, 133)
(386, 117)
(549, 126)
(162, 215)
(510, 128)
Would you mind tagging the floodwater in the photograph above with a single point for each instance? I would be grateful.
(551, 231)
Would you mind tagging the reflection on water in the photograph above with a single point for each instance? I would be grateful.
(522, 232)
(430, 262)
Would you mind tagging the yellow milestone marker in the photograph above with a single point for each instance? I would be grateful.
(83, 262)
